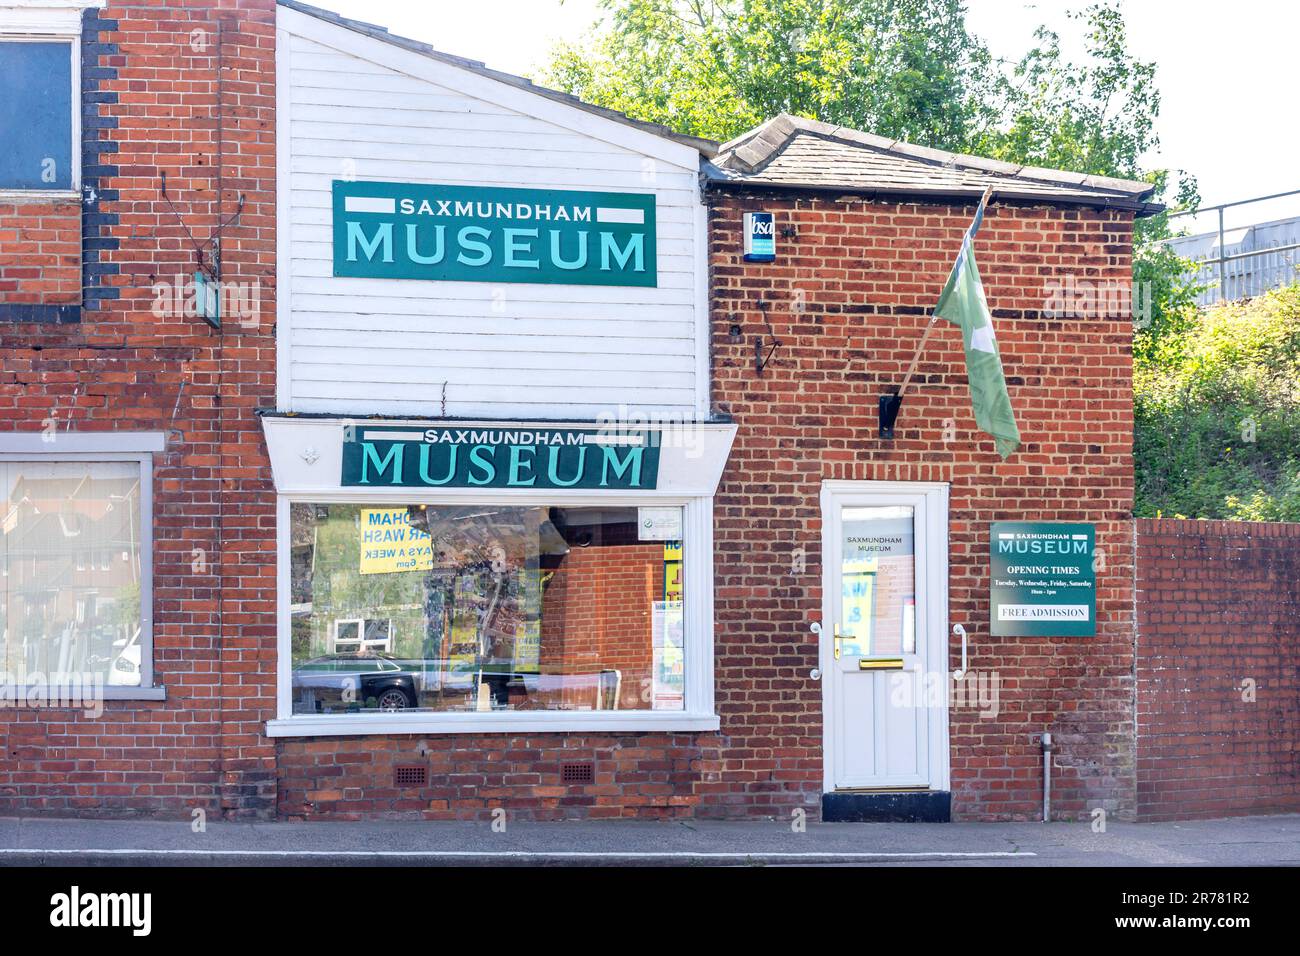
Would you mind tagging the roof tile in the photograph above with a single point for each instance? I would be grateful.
(794, 152)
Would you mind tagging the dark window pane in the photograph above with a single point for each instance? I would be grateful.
(35, 115)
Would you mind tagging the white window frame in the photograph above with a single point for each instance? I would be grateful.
(697, 715)
(50, 21)
(362, 643)
(140, 447)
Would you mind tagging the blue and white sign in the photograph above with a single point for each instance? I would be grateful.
(493, 234)
(760, 237)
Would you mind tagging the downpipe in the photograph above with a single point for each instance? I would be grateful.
(1047, 775)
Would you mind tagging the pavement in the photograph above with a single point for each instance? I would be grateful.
(1240, 841)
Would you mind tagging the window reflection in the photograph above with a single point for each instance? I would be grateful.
(878, 581)
(70, 571)
(483, 608)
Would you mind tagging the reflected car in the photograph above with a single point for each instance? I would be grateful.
(389, 682)
(125, 669)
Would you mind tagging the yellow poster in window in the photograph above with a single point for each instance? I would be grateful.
(389, 544)
(672, 570)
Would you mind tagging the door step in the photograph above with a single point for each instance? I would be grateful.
(916, 806)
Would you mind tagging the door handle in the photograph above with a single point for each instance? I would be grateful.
(836, 637)
(880, 664)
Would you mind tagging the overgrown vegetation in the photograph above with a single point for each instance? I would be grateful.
(1217, 410)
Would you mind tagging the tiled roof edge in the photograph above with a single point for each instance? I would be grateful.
(717, 179)
(750, 151)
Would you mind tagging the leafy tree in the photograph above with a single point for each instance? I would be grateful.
(908, 69)
(1096, 116)
(1165, 286)
(715, 68)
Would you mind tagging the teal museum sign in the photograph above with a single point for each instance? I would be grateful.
(1042, 579)
(493, 456)
(493, 234)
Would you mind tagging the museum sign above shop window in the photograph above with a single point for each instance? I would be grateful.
(467, 457)
(492, 234)
(443, 576)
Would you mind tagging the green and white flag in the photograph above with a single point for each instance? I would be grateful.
(963, 304)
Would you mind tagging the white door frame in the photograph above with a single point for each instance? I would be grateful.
(931, 500)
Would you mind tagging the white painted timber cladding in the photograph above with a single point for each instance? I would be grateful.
(376, 346)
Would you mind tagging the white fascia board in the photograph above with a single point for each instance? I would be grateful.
(52, 17)
(307, 460)
(485, 88)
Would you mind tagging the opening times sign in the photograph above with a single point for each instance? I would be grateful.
(1042, 579)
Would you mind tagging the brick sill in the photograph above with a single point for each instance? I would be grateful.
(493, 723)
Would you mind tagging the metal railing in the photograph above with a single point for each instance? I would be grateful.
(1284, 266)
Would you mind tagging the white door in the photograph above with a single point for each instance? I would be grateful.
(884, 635)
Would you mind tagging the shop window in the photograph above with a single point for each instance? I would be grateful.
(484, 608)
(75, 583)
(38, 118)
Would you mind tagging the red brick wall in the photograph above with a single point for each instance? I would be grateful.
(40, 252)
(596, 614)
(124, 366)
(848, 298)
(645, 776)
(1218, 606)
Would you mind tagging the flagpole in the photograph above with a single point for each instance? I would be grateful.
(916, 357)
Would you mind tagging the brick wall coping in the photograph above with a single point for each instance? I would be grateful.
(1236, 529)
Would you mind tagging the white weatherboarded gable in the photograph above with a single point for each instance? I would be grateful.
(353, 106)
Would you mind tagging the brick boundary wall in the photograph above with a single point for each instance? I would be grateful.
(1218, 603)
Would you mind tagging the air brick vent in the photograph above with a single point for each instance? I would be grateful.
(577, 773)
(410, 776)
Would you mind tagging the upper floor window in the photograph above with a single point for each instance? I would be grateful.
(38, 115)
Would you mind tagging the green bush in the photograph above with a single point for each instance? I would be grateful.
(1217, 413)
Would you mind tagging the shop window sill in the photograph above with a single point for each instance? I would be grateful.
(135, 693)
(355, 725)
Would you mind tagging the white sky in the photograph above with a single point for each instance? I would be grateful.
(1226, 72)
